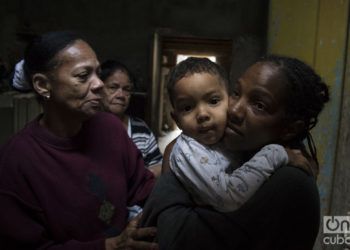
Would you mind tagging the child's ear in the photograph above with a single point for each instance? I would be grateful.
(176, 119)
(42, 85)
(293, 129)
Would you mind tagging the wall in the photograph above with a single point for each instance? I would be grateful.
(316, 32)
(340, 200)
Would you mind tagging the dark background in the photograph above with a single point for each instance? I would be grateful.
(124, 30)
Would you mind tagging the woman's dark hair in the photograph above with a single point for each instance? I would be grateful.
(110, 66)
(39, 55)
(307, 94)
(191, 66)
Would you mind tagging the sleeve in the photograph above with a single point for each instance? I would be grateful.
(205, 175)
(152, 152)
(243, 182)
(145, 141)
(22, 222)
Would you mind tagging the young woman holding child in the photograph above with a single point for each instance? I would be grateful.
(277, 100)
(198, 90)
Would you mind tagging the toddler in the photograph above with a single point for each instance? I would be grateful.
(198, 92)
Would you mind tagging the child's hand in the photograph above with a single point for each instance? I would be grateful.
(297, 159)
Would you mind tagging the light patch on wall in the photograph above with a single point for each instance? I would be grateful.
(181, 57)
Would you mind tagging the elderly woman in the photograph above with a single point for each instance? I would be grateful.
(277, 100)
(119, 84)
(67, 178)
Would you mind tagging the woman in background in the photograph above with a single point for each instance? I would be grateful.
(119, 84)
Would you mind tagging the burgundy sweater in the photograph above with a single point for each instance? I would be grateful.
(59, 193)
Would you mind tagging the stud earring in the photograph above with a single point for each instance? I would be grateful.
(47, 97)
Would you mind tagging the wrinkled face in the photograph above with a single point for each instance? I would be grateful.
(200, 107)
(117, 92)
(75, 85)
(256, 109)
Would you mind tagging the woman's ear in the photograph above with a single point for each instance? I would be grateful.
(41, 84)
(293, 129)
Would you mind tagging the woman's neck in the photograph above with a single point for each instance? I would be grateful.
(61, 124)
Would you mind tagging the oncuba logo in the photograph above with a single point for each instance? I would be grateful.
(336, 224)
(336, 230)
